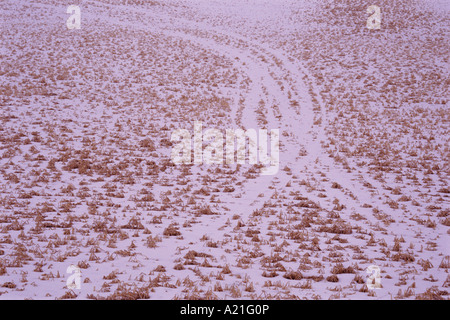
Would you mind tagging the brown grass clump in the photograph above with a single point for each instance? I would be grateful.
(68, 295)
(134, 223)
(148, 144)
(192, 254)
(445, 263)
(160, 268)
(171, 231)
(432, 293)
(111, 276)
(127, 292)
(359, 279)
(9, 285)
(205, 210)
(337, 228)
(151, 242)
(339, 269)
(293, 275)
(333, 278)
(226, 269)
(271, 274)
(406, 257)
(178, 266)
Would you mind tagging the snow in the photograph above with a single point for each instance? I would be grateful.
(87, 179)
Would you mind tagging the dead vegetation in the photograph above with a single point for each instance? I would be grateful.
(87, 178)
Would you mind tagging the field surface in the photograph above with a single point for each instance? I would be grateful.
(87, 178)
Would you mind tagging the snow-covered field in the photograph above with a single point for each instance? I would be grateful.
(87, 179)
